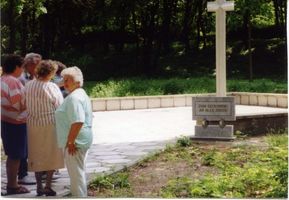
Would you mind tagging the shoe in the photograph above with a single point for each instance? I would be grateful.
(49, 192)
(40, 192)
(17, 190)
(26, 180)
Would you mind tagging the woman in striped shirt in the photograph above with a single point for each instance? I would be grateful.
(42, 99)
(13, 121)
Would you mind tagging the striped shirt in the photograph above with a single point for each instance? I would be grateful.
(12, 100)
(42, 99)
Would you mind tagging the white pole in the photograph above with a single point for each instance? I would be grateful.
(220, 53)
(220, 7)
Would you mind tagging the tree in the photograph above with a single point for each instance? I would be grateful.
(249, 12)
(148, 29)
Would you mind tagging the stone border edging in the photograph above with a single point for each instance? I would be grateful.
(261, 99)
(182, 100)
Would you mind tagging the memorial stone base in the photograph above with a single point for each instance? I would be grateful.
(214, 132)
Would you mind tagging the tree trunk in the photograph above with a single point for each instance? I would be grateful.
(277, 12)
(11, 24)
(186, 25)
(135, 28)
(250, 51)
(48, 27)
(283, 15)
(33, 26)
(165, 37)
(245, 29)
(148, 31)
(24, 31)
(199, 23)
(123, 23)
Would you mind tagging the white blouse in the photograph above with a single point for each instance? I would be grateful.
(42, 99)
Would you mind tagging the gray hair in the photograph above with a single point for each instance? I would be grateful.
(32, 58)
(75, 73)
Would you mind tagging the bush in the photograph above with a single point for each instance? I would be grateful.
(173, 87)
(184, 142)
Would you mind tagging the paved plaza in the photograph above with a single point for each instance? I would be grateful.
(122, 138)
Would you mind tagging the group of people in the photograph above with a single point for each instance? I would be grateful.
(46, 121)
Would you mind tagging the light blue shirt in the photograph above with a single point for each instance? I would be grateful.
(75, 108)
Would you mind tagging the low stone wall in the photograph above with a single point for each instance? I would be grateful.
(261, 99)
(166, 101)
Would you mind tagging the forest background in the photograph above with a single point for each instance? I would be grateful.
(111, 39)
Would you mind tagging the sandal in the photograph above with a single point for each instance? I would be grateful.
(17, 190)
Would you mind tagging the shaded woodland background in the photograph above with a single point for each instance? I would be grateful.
(147, 38)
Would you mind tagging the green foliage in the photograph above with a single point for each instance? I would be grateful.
(184, 141)
(151, 157)
(278, 138)
(114, 181)
(240, 134)
(257, 85)
(261, 13)
(128, 38)
(209, 158)
(146, 87)
(173, 87)
(245, 173)
(177, 188)
(237, 172)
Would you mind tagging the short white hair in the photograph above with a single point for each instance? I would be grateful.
(75, 73)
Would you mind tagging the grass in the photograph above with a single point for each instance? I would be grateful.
(206, 170)
(146, 87)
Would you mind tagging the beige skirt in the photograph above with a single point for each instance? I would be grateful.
(43, 151)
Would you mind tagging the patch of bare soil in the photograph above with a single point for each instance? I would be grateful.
(147, 181)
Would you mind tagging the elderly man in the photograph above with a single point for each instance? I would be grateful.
(31, 60)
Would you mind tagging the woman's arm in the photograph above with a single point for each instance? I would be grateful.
(73, 132)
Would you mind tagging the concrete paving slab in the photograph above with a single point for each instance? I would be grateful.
(142, 125)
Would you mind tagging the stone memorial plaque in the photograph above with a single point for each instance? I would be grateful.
(214, 132)
(214, 108)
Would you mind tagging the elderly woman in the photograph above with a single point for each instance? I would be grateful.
(74, 132)
(42, 99)
(13, 121)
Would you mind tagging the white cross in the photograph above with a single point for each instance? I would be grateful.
(220, 7)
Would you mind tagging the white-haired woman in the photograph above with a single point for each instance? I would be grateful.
(74, 132)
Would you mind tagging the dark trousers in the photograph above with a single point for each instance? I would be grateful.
(22, 171)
